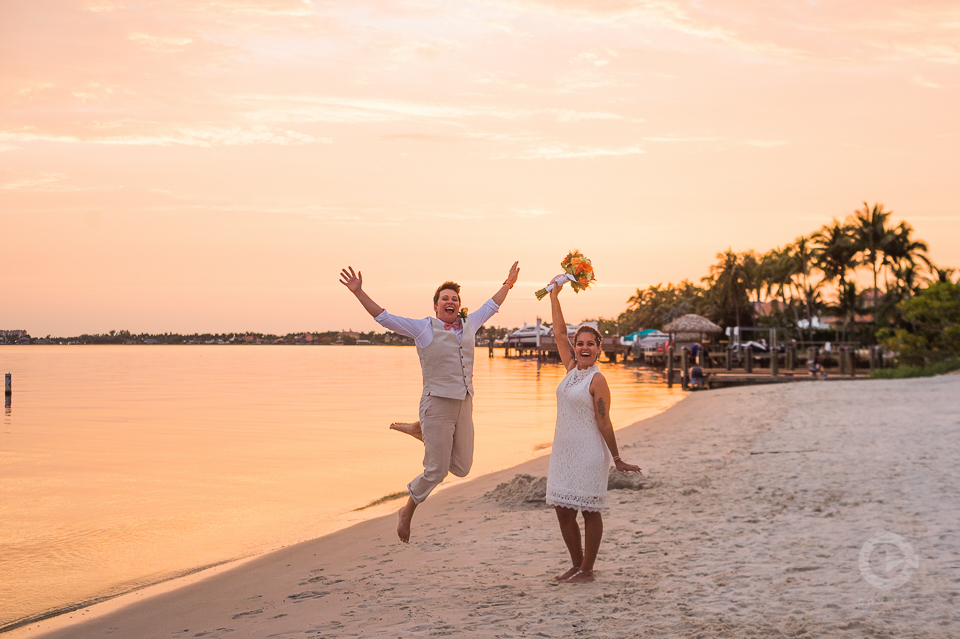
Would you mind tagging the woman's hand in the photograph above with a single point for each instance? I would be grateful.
(558, 283)
(353, 281)
(624, 467)
(514, 274)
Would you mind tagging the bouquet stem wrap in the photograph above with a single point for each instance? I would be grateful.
(553, 284)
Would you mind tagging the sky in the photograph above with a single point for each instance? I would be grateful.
(210, 165)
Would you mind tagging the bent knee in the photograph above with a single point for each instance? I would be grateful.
(458, 470)
(436, 474)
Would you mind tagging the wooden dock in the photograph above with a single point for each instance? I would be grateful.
(721, 369)
(612, 349)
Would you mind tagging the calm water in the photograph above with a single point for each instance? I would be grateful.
(126, 465)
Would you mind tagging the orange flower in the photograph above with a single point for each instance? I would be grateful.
(584, 281)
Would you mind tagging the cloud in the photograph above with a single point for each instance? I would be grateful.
(532, 213)
(313, 108)
(166, 44)
(39, 183)
(767, 144)
(102, 6)
(843, 30)
(279, 8)
(656, 15)
(923, 82)
(683, 139)
(420, 137)
(166, 135)
(567, 152)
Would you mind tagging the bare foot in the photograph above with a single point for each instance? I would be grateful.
(581, 577)
(412, 429)
(403, 527)
(567, 575)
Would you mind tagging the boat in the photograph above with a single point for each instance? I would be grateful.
(527, 335)
(644, 341)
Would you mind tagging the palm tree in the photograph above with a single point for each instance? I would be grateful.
(836, 255)
(938, 274)
(904, 251)
(727, 285)
(640, 298)
(804, 261)
(783, 266)
(873, 239)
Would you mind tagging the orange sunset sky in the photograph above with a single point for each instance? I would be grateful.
(209, 165)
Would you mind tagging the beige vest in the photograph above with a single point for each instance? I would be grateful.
(447, 364)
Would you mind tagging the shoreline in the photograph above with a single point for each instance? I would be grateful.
(381, 508)
(756, 505)
(213, 463)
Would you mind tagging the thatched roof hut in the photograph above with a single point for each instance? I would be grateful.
(692, 324)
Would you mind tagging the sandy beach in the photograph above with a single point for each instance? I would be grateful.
(820, 509)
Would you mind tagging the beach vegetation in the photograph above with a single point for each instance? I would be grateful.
(929, 327)
(852, 277)
(929, 370)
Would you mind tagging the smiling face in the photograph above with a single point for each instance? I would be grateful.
(447, 305)
(586, 348)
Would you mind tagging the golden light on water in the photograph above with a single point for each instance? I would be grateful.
(124, 465)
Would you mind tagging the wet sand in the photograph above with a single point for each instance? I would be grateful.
(799, 510)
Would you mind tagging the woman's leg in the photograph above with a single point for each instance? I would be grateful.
(593, 533)
(570, 529)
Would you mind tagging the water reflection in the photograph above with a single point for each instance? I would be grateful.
(129, 463)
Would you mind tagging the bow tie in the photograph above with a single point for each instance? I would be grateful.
(454, 325)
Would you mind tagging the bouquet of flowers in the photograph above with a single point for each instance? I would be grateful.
(577, 269)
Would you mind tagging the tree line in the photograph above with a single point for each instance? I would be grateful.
(813, 277)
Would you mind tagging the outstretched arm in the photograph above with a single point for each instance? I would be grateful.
(354, 282)
(560, 329)
(500, 296)
(601, 404)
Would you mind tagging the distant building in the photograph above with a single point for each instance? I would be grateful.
(867, 296)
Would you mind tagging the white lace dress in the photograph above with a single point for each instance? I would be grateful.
(580, 460)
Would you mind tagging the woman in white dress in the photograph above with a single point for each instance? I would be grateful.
(583, 445)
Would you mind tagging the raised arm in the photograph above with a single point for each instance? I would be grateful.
(354, 282)
(500, 296)
(601, 405)
(560, 329)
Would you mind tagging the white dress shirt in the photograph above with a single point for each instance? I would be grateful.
(421, 330)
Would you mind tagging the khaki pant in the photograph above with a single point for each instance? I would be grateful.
(447, 426)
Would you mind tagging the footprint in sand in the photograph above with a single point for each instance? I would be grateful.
(248, 613)
(309, 594)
